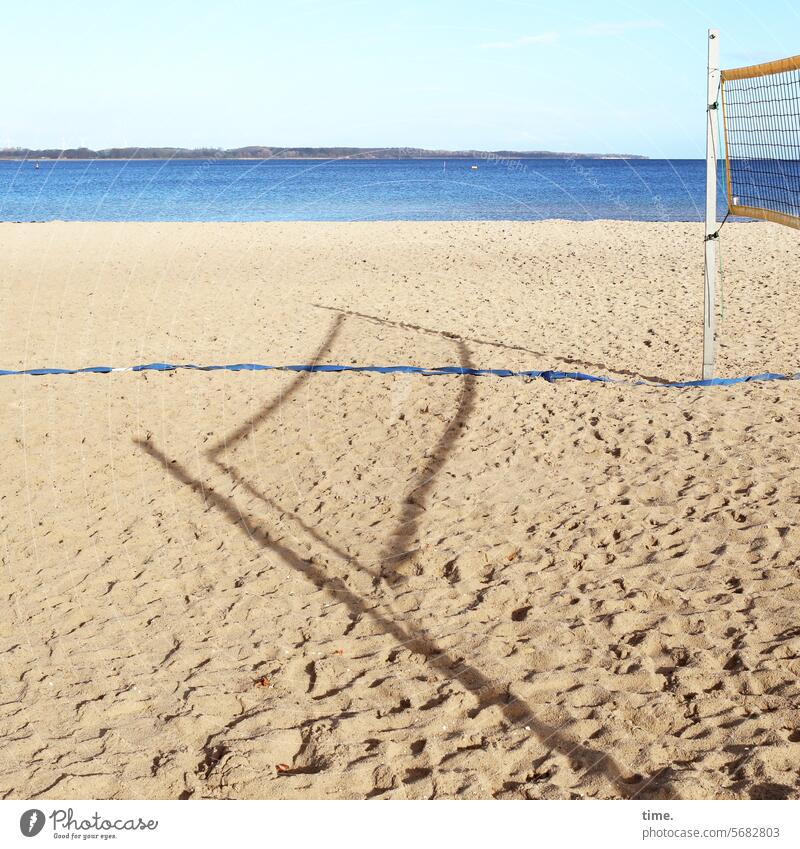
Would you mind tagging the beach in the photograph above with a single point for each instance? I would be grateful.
(293, 585)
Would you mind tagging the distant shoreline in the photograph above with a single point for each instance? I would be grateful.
(312, 159)
(312, 153)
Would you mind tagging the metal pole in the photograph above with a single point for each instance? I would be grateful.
(709, 300)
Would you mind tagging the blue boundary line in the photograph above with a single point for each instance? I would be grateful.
(549, 375)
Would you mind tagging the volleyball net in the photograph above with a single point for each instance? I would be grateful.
(761, 132)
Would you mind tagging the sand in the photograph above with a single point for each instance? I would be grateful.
(274, 585)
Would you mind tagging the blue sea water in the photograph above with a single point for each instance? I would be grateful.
(353, 190)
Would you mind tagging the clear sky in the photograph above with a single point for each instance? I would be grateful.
(574, 75)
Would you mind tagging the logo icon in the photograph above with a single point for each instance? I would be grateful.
(31, 822)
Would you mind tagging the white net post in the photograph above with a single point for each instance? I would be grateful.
(709, 299)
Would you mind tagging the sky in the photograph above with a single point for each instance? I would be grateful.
(573, 75)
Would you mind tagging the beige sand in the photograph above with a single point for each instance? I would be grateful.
(273, 585)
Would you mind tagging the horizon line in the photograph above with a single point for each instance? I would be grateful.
(296, 152)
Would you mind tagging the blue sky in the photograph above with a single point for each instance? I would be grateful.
(581, 76)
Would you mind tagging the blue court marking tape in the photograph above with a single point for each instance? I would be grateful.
(549, 375)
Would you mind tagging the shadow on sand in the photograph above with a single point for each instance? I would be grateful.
(541, 355)
(413, 636)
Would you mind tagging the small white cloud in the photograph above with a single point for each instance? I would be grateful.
(613, 29)
(524, 41)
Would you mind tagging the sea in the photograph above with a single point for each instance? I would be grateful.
(484, 189)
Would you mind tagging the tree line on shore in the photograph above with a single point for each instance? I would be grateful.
(259, 152)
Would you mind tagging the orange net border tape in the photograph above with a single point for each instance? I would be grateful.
(762, 70)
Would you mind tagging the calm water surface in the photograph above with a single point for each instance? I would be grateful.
(353, 190)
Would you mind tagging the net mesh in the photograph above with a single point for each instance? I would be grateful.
(761, 128)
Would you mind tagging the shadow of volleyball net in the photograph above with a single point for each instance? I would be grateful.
(758, 109)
